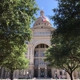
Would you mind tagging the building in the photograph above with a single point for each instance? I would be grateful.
(40, 41)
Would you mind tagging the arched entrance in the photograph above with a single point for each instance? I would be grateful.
(40, 67)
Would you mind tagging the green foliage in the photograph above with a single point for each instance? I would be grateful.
(14, 62)
(15, 19)
(63, 54)
(65, 50)
(67, 18)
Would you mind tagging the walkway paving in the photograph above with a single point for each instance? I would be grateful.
(39, 79)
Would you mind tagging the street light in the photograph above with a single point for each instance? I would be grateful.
(27, 75)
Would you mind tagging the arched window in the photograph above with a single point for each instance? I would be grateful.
(42, 46)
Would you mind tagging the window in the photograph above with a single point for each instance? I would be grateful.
(60, 72)
(37, 46)
(41, 53)
(42, 46)
(35, 53)
(42, 61)
(46, 46)
(36, 61)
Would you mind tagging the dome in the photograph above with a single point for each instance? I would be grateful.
(42, 19)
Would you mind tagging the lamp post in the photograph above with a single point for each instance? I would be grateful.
(27, 75)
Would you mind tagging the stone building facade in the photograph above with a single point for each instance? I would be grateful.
(40, 41)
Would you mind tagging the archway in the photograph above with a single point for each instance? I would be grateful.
(40, 66)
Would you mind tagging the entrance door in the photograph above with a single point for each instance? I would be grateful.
(49, 73)
(42, 72)
(35, 72)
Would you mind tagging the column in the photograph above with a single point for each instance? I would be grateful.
(58, 73)
(68, 77)
(32, 56)
(64, 74)
(76, 74)
(45, 72)
(28, 53)
(39, 72)
(32, 72)
(17, 73)
(14, 74)
(39, 56)
(2, 72)
(53, 74)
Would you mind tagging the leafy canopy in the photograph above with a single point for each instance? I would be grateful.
(15, 19)
(67, 18)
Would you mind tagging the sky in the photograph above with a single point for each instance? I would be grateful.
(46, 6)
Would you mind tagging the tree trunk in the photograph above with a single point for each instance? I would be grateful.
(11, 74)
(1, 75)
(71, 77)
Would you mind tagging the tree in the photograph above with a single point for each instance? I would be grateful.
(15, 19)
(61, 55)
(14, 62)
(65, 39)
(67, 18)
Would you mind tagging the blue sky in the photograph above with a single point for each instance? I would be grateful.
(47, 6)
